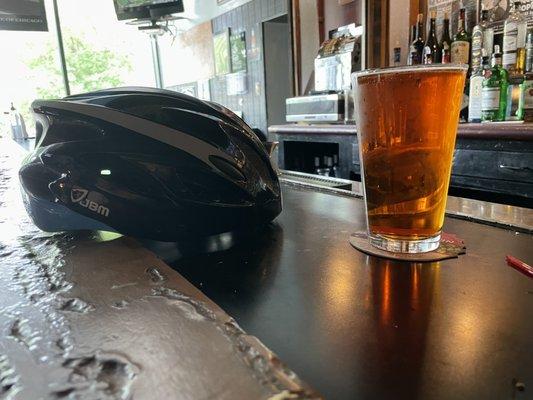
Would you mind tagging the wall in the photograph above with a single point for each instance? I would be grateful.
(336, 15)
(309, 42)
(189, 56)
(248, 18)
(278, 83)
(399, 28)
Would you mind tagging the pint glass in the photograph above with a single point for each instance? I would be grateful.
(406, 125)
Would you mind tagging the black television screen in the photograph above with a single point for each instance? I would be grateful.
(146, 9)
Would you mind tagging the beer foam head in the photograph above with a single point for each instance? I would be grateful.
(410, 69)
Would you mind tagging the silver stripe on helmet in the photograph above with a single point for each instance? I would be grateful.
(175, 138)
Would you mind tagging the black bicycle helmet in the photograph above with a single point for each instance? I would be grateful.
(149, 163)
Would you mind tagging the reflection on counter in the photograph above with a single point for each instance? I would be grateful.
(516, 218)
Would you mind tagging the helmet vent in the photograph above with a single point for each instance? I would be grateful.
(227, 168)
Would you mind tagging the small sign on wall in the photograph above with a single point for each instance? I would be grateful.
(237, 83)
(500, 9)
(23, 15)
(238, 52)
(221, 47)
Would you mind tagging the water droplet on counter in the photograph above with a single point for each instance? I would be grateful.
(120, 304)
(123, 285)
(76, 305)
(191, 308)
(284, 395)
(99, 376)
(6, 253)
(8, 379)
(63, 344)
(155, 275)
(22, 333)
(65, 393)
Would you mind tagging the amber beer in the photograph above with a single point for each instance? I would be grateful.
(407, 123)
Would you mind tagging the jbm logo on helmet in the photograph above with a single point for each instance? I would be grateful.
(80, 196)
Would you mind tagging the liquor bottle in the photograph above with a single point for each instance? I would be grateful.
(397, 54)
(329, 165)
(520, 64)
(461, 42)
(526, 95)
(318, 170)
(529, 51)
(478, 40)
(476, 89)
(431, 48)
(488, 36)
(514, 37)
(417, 45)
(412, 35)
(494, 94)
(335, 165)
(445, 41)
(325, 169)
(513, 111)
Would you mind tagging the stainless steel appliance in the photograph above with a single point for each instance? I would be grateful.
(332, 98)
(316, 108)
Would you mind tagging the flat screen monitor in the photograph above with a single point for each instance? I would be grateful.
(146, 9)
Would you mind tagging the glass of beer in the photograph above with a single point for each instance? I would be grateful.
(406, 125)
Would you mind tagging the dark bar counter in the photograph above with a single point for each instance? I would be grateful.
(360, 327)
(88, 316)
(492, 162)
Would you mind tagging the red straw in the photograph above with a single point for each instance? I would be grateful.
(519, 265)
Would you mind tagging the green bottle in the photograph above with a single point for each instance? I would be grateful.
(461, 42)
(494, 92)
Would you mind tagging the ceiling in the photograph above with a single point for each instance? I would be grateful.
(198, 11)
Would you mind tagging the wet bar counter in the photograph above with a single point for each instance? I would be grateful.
(492, 162)
(94, 316)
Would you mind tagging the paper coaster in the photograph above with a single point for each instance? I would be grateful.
(450, 247)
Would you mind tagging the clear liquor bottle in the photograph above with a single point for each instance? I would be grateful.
(526, 95)
(318, 170)
(514, 37)
(478, 40)
(476, 88)
(488, 36)
(335, 165)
